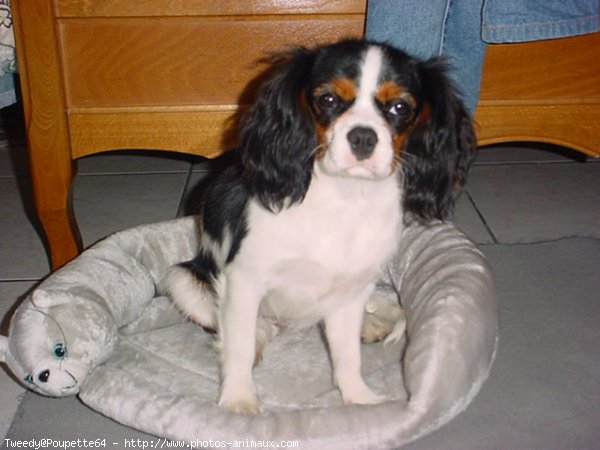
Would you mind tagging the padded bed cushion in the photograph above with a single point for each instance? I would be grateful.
(163, 376)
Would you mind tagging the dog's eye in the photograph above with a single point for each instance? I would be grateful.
(327, 101)
(399, 108)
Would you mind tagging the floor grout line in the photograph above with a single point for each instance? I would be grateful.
(109, 174)
(21, 280)
(481, 217)
(532, 163)
(182, 196)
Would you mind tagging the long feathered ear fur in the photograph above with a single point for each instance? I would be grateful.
(278, 138)
(440, 149)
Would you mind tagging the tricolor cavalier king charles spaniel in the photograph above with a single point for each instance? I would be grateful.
(344, 144)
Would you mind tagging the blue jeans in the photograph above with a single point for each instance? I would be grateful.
(460, 29)
(519, 21)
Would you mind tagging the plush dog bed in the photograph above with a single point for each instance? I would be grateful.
(156, 372)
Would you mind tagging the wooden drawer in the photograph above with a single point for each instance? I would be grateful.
(180, 60)
(148, 8)
(192, 52)
(554, 71)
(545, 91)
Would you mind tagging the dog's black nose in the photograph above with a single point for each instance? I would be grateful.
(362, 141)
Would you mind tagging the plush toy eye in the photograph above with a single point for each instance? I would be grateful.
(60, 351)
(44, 376)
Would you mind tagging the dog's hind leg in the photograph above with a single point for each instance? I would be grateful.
(195, 298)
(265, 331)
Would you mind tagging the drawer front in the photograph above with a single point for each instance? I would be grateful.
(547, 71)
(171, 61)
(138, 8)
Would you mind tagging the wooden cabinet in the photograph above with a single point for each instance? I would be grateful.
(103, 75)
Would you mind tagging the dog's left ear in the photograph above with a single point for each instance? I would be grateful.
(278, 139)
(440, 149)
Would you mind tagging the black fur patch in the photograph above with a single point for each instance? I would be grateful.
(223, 215)
(204, 268)
(224, 210)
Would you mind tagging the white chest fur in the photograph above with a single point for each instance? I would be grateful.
(306, 259)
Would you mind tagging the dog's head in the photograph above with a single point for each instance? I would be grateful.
(358, 109)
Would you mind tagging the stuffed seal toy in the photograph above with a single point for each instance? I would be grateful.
(56, 340)
(73, 321)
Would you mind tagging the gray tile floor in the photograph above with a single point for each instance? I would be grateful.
(516, 194)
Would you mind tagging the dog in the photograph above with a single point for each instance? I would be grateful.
(343, 145)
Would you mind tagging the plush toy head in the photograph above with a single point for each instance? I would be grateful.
(55, 339)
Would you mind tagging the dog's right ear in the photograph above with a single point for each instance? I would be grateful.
(278, 136)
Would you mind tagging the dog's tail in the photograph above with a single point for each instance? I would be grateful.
(194, 287)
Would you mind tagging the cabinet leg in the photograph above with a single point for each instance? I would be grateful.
(51, 179)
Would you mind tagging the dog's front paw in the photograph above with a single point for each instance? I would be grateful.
(355, 391)
(246, 405)
(361, 395)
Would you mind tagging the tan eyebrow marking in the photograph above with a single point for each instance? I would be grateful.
(344, 88)
(389, 91)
